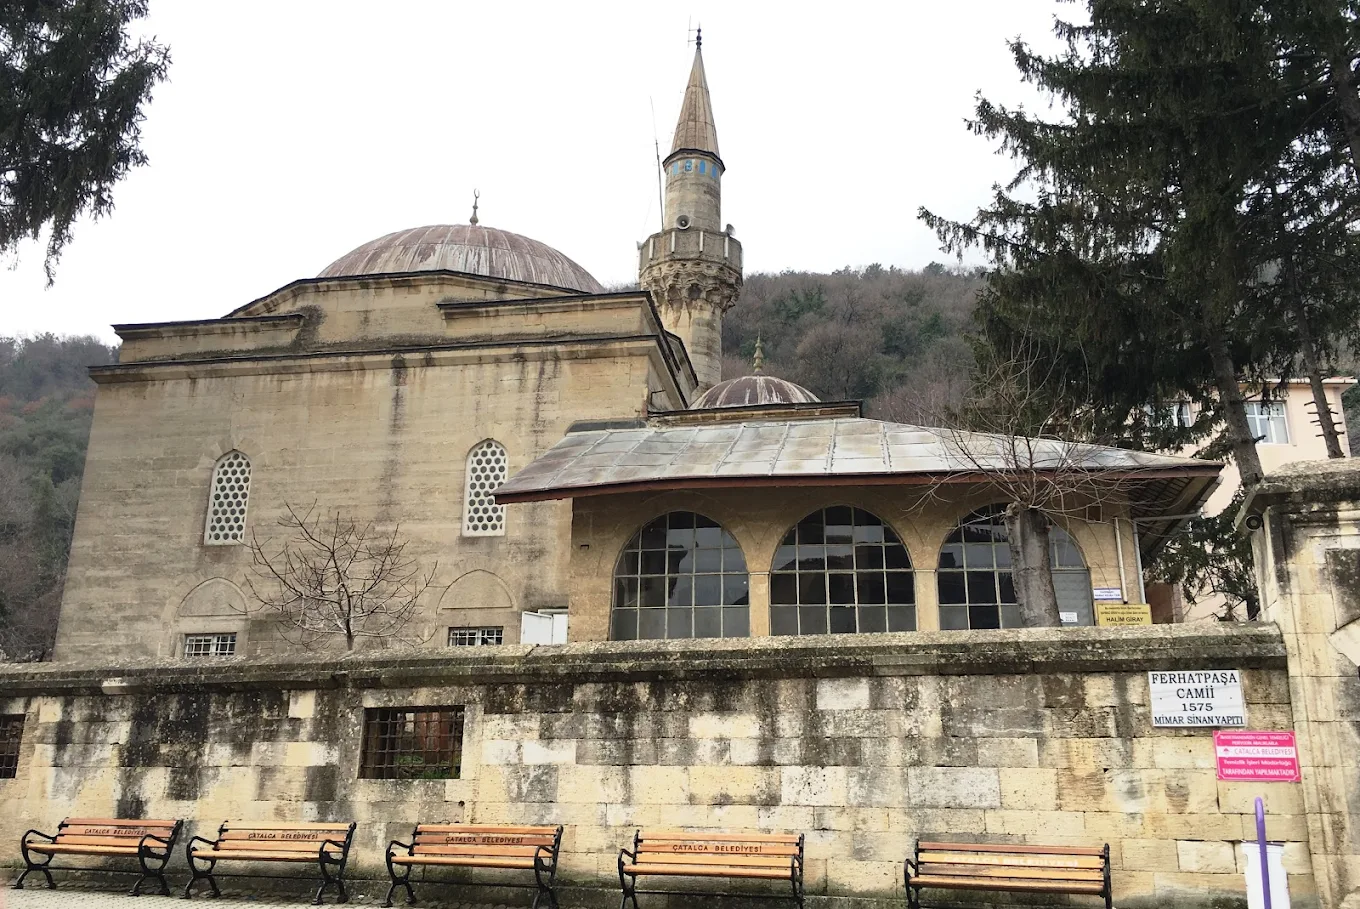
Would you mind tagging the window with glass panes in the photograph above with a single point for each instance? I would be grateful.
(681, 576)
(476, 637)
(841, 570)
(974, 578)
(210, 645)
(1268, 422)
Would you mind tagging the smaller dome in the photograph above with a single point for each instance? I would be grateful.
(752, 391)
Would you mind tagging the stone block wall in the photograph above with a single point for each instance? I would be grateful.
(1307, 547)
(863, 743)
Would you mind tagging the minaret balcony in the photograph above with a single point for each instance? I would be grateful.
(693, 244)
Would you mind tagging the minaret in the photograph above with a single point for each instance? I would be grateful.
(693, 266)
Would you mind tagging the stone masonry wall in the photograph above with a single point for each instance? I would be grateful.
(864, 743)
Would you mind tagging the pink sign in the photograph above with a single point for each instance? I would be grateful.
(1256, 757)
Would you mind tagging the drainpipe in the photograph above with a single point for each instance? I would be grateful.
(1119, 554)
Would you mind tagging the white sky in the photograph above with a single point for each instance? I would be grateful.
(290, 132)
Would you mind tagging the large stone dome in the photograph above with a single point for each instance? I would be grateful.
(468, 248)
(751, 391)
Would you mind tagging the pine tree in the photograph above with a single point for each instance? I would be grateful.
(73, 86)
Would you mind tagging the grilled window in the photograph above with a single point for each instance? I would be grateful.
(11, 733)
(412, 743)
(210, 645)
(681, 576)
(476, 637)
(487, 468)
(226, 525)
(976, 587)
(841, 570)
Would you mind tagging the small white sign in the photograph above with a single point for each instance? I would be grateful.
(1068, 618)
(1108, 593)
(1211, 697)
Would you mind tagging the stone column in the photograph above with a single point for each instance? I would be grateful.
(1305, 519)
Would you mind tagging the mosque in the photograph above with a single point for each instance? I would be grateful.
(564, 463)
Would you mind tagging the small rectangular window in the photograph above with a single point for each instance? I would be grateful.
(209, 645)
(476, 637)
(1267, 421)
(11, 734)
(412, 743)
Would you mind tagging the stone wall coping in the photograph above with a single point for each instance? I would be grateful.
(1209, 645)
(1307, 483)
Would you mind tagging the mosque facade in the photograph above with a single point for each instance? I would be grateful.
(563, 463)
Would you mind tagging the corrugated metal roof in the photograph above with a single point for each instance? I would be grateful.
(468, 248)
(803, 450)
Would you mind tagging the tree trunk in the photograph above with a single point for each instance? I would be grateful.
(1348, 100)
(1234, 411)
(1311, 367)
(1027, 529)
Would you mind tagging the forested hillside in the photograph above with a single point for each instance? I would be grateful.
(895, 339)
(46, 402)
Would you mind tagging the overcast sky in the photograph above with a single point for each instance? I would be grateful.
(290, 132)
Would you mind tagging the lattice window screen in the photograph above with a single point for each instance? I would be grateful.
(227, 504)
(487, 468)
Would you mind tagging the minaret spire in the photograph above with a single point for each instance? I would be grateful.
(692, 268)
(695, 129)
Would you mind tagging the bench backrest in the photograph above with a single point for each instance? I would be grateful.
(745, 850)
(1056, 864)
(282, 837)
(485, 840)
(103, 831)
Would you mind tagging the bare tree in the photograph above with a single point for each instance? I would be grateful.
(334, 578)
(1026, 443)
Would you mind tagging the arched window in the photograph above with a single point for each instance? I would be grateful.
(681, 576)
(227, 501)
(487, 468)
(975, 582)
(841, 570)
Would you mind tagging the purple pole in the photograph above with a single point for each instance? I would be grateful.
(1261, 842)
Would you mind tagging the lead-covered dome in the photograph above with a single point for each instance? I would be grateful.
(468, 248)
(751, 391)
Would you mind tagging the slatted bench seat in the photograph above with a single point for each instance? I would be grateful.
(523, 848)
(150, 842)
(736, 856)
(327, 845)
(1028, 869)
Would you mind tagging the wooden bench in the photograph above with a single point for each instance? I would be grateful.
(147, 841)
(478, 846)
(737, 856)
(250, 841)
(1028, 869)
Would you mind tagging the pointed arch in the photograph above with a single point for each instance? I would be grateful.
(487, 467)
(228, 498)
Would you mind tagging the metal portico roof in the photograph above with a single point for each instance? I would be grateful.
(595, 460)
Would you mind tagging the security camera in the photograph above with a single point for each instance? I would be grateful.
(1254, 522)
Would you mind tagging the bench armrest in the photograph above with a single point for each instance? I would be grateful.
(150, 839)
(547, 855)
(631, 855)
(910, 869)
(199, 839)
(409, 847)
(325, 857)
(47, 836)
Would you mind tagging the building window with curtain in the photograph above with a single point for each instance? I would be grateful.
(974, 579)
(1268, 422)
(681, 576)
(841, 570)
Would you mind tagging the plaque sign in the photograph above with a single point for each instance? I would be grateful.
(1200, 697)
